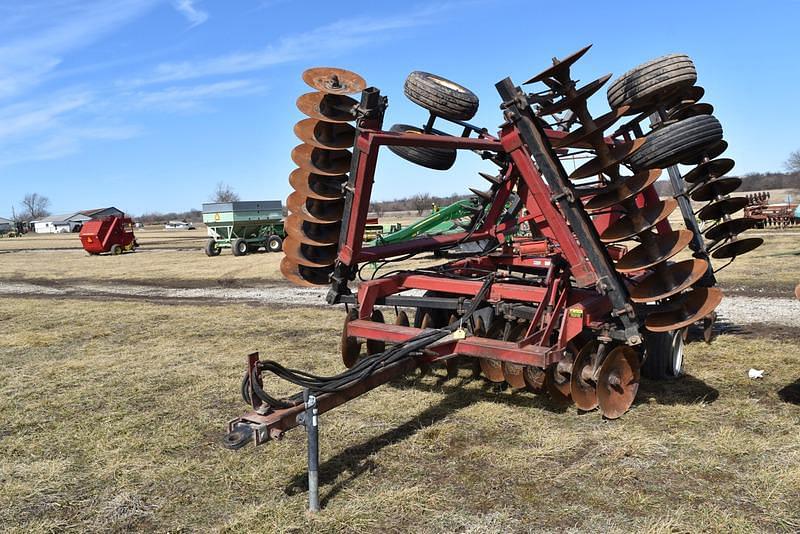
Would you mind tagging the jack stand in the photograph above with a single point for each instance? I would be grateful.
(310, 418)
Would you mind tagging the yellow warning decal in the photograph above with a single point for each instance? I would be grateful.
(575, 312)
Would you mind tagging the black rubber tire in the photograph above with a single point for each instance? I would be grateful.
(116, 250)
(677, 142)
(440, 96)
(663, 355)
(643, 86)
(239, 247)
(211, 248)
(438, 159)
(274, 243)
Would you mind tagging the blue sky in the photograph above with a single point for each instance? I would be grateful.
(147, 104)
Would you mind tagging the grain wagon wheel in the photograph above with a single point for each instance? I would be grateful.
(239, 247)
(274, 243)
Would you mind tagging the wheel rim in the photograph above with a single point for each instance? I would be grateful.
(676, 353)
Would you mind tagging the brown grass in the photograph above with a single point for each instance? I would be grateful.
(112, 422)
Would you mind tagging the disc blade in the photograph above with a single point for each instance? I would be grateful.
(401, 319)
(324, 134)
(690, 307)
(493, 369)
(690, 110)
(707, 152)
(583, 391)
(309, 255)
(710, 169)
(559, 66)
(305, 276)
(658, 248)
(580, 96)
(616, 155)
(627, 188)
(333, 80)
(321, 160)
(679, 276)
(315, 210)
(715, 188)
(730, 228)
(376, 346)
(310, 233)
(330, 108)
(350, 345)
(716, 210)
(557, 380)
(599, 125)
(639, 221)
(618, 382)
(737, 247)
(317, 186)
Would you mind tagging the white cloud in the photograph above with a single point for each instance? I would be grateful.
(188, 9)
(332, 39)
(185, 98)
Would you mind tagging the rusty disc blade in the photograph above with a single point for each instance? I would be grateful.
(618, 381)
(730, 228)
(309, 255)
(616, 155)
(691, 110)
(351, 346)
(689, 307)
(654, 249)
(692, 93)
(559, 66)
(311, 233)
(321, 160)
(334, 81)
(797, 291)
(401, 319)
(305, 276)
(675, 278)
(315, 210)
(581, 95)
(637, 222)
(710, 169)
(716, 210)
(324, 134)
(375, 346)
(535, 379)
(317, 186)
(330, 108)
(705, 153)
(629, 187)
(512, 372)
(557, 381)
(716, 188)
(493, 369)
(598, 126)
(737, 247)
(583, 391)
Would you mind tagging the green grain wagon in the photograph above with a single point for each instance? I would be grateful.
(244, 226)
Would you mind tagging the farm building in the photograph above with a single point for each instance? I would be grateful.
(72, 222)
(6, 225)
(60, 224)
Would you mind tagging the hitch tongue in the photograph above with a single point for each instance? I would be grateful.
(239, 435)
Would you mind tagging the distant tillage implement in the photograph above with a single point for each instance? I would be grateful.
(592, 295)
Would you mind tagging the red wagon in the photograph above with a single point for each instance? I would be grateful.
(111, 234)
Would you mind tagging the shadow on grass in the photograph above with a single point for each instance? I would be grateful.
(791, 393)
(355, 460)
(684, 390)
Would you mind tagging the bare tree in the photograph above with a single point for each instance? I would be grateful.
(793, 163)
(224, 193)
(34, 206)
(422, 201)
(376, 208)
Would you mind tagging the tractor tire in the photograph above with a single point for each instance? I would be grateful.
(643, 86)
(274, 243)
(677, 142)
(439, 159)
(239, 247)
(440, 96)
(211, 248)
(663, 355)
(116, 250)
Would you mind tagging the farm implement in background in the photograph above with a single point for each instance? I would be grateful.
(777, 215)
(244, 226)
(577, 307)
(443, 221)
(113, 235)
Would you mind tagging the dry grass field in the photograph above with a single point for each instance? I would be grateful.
(112, 410)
